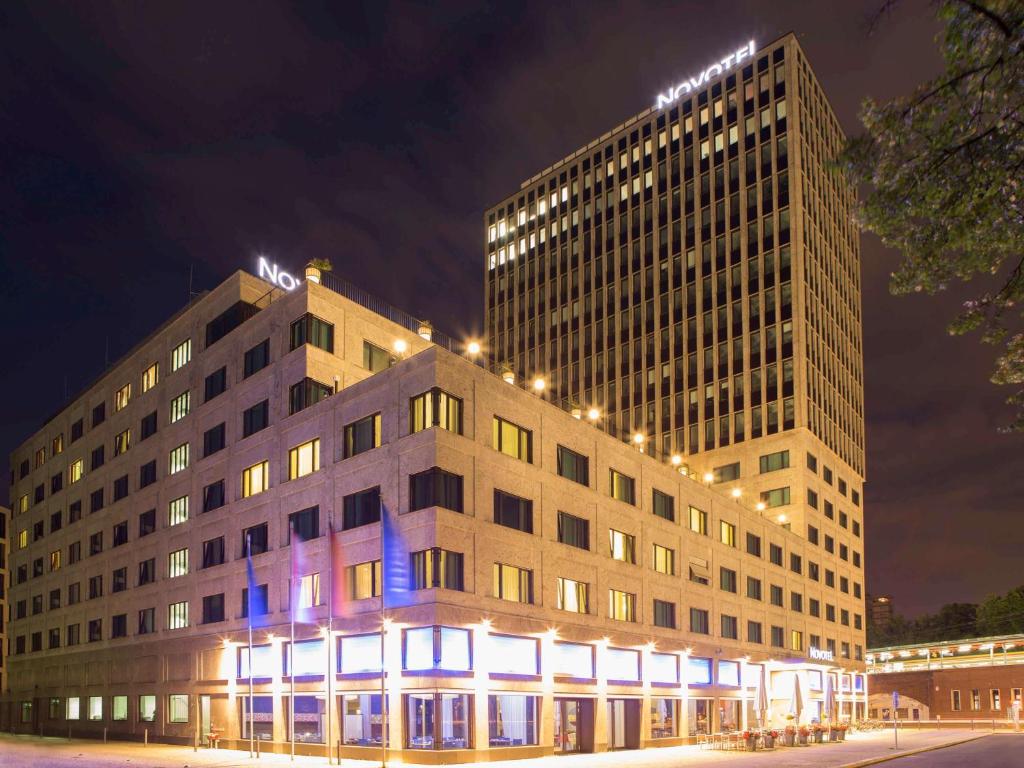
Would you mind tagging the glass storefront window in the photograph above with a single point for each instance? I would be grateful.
(814, 679)
(752, 675)
(512, 655)
(262, 717)
(574, 660)
(698, 671)
(623, 664)
(264, 661)
(438, 720)
(360, 653)
(698, 716)
(147, 708)
(729, 714)
(437, 648)
(73, 708)
(119, 708)
(858, 683)
(512, 720)
(729, 673)
(95, 707)
(361, 719)
(310, 658)
(664, 718)
(309, 719)
(845, 682)
(664, 668)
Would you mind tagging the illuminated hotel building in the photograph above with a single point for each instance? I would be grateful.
(572, 593)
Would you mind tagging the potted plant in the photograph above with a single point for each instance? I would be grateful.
(769, 739)
(803, 733)
(750, 739)
(842, 732)
(789, 736)
(818, 732)
(316, 267)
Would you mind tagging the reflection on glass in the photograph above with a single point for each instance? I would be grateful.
(664, 718)
(262, 716)
(361, 719)
(308, 722)
(512, 720)
(699, 716)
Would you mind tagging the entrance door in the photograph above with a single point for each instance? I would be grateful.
(204, 719)
(623, 724)
(574, 725)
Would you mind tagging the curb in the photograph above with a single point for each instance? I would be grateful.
(908, 753)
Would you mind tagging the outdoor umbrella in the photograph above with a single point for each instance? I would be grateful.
(762, 698)
(796, 705)
(830, 697)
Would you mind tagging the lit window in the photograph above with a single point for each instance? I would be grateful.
(573, 596)
(698, 521)
(75, 471)
(57, 446)
(309, 590)
(622, 546)
(122, 396)
(727, 533)
(74, 708)
(435, 408)
(177, 511)
(364, 580)
(179, 406)
(304, 459)
(512, 440)
(178, 459)
(664, 560)
(147, 708)
(95, 705)
(622, 487)
(177, 615)
(621, 605)
(177, 704)
(513, 583)
(177, 563)
(181, 354)
(122, 442)
(119, 708)
(150, 376)
(255, 479)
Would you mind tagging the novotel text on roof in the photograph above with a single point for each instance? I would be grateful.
(712, 71)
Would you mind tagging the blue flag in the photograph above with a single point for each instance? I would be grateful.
(394, 561)
(256, 609)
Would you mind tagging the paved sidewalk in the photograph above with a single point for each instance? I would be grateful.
(32, 752)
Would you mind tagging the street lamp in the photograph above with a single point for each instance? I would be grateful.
(400, 346)
(539, 384)
(593, 414)
(473, 348)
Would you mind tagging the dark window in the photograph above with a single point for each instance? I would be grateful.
(437, 567)
(362, 435)
(753, 588)
(119, 625)
(727, 579)
(147, 522)
(99, 415)
(213, 496)
(96, 500)
(753, 545)
(216, 383)
(77, 430)
(121, 533)
(73, 634)
(435, 488)
(775, 554)
(95, 630)
(147, 571)
(255, 418)
(310, 329)
(362, 508)
(120, 487)
(54, 642)
(214, 439)
(74, 552)
(775, 595)
(148, 426)
(74, 593)
(38, 530)
(795, 563)
(699, 621)
(97, 459)
(664, 614)
(56, 482)
(228, 320)
(305, 524)
(778, 637)
(55, 524)
(306, 393)
(119, 580)
(574, 531)
(574, 466)
(513, 511)
(147, 621)
(664, 505)
(40, 493)
(255, 540)
(812, 534)
(147, 474)
(257, 358)
(376, 359)
(95, 587)
(213, 552)
(213, 608)
(260, 601)
(23, 470)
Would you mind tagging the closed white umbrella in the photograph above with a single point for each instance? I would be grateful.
(796, 704)
(830, 697)
(762, 698)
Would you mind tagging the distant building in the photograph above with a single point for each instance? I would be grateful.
(880, 610)
(963, 680)
(5, 542)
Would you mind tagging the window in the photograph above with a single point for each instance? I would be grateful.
(796, 640)
(255, 479)
(178, 459)
(147, 708)
(255, 540)
(57, 448)
(513, 511)
(441, 719)
(306, 393)
(727, 533)
(213, 496)
(730, 628)
(753, 545)
(177, 563)
(622, 546)
(147, 427)
(727, 579)
(776, 594)
(573, 596)
(95, 630)
(310, 329)
(257, 358)
(435, 488)
(147, 571)
(122, 396)
(795, 563)
(255, 418)
(120, 487)
(362, 435)
(621, 605)
(177, 615)
(362, 508)
(122, 442)
(726, 473)
(573, 466)
(622, 487)
(213, 552)
(699, 623)
(97, 458)
(147, 522)
(177, 707)
(775, 554)
(213, 608)
(975, 699)
(512, 440)
(664, 506)
(99, 414)
(304, 459)
(777, 497)
(436, 567)
(664, 560)
(121, 534)
(177, 511)
(96, 543)
(181, 354)
(699, 572)
(364, 580)
(305, 524)
(214, 439)
(77, 430)
(664, 614)
(435, 408)
(778, 637)
(150, 376)
(753, 588)
(376, 359)
(698, 521)
(513, 583)
(96, 500)
(512, 720)
(215, 384)
(773, 462)
(574, 531)
(180, 406)
(796, 602)
(147, 474)
(955, 701)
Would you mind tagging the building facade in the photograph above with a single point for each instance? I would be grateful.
(880, 610)
(694, 276)
(5, 516)
(569, 592)
(978, 680)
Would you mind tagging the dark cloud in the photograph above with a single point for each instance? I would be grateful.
(140, 142)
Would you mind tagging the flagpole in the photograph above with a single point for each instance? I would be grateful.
(296, 591)
(383, 674)
(330, 628)
(248, 613)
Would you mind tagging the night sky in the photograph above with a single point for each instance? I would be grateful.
(139, 141)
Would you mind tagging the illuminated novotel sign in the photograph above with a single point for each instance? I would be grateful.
(710, 73)
(820, 655)
(275, 276)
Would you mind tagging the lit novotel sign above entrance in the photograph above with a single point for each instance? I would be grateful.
(275, 276)
(717, 69)
(820, 655)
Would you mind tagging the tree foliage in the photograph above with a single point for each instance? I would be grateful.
(944, 169)
(997, 615)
